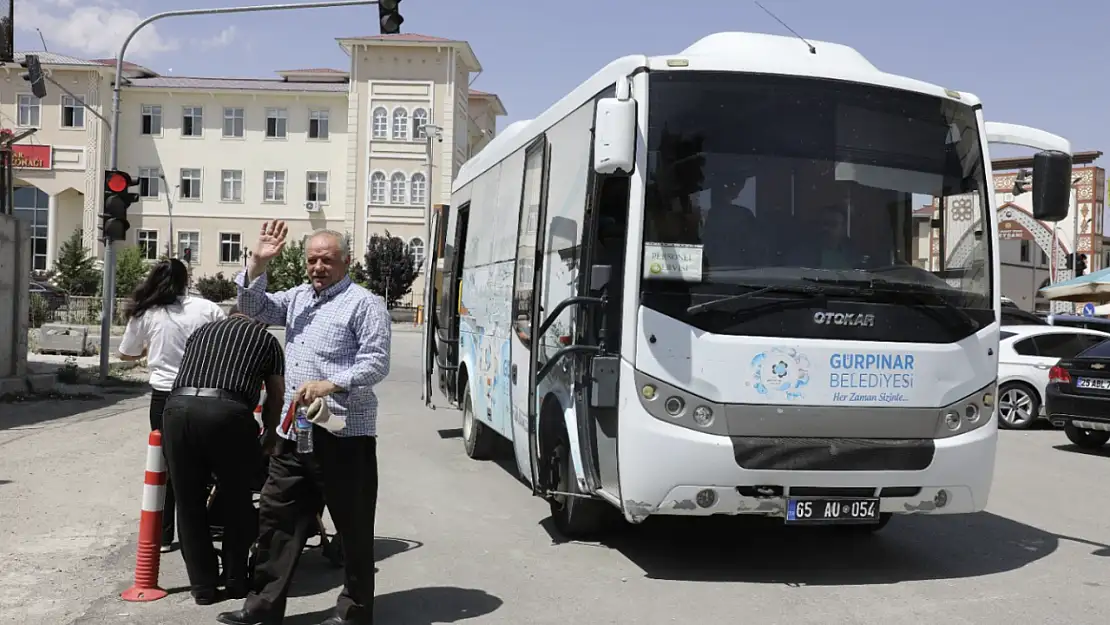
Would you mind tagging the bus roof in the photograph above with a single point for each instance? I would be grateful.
(728, 51)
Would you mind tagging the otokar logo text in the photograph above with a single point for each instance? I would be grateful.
(844, 319)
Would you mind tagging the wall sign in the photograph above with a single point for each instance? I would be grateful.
(32, 156)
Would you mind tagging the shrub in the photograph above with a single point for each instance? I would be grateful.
(216, 288)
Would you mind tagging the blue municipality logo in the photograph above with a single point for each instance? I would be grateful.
(780, 373)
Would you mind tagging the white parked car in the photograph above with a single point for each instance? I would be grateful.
(1025, 354)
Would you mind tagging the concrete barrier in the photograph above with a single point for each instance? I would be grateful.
(15, 286)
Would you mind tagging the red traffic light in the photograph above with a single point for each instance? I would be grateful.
(117, 181)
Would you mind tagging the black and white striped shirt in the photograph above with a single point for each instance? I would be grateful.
(233, 354)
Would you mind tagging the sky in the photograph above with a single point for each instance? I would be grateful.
(1035, 63)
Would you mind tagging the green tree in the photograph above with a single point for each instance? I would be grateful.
(288, 269)
(75, 270)
(217, 288)
(390, 267)
(131, 269)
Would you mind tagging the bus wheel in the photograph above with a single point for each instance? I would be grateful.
(864, 529)
(477, 438)
(575, 517)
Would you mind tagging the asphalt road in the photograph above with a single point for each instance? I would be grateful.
(464, 541)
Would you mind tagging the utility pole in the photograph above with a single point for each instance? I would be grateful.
(431, 131)
(390, 23)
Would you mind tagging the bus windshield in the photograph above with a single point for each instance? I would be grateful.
(757, 181)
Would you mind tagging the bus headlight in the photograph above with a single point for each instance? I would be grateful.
(968, 414)
(648, 392)
(952, 420)
(972, 413)
(703, 416)
(674, 405)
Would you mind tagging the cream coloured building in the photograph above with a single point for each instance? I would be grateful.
(59, 168)
(344, 149)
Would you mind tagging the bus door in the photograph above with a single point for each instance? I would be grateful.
(447, 331)
(527, 283)
(432, 288)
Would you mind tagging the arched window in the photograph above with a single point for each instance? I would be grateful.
(417, 189)
(400, 124)
(381, 123)
(397, 188)
(416, 246)
(419, 119)
(377, 188)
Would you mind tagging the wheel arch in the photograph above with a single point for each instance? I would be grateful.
(557, 413)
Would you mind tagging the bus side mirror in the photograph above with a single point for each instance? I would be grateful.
(615, 136)
(1052, 171)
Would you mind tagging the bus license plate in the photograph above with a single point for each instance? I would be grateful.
(816, 511)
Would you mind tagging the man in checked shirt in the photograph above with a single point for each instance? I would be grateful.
(337, 337)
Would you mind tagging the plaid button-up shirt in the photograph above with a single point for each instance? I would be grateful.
(341, 334)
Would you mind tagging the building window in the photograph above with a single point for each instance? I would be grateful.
(417, 189)
(190, 184)
(234, 122)
(150, 181)
(397, 188)
(318, 125)
(192, 121)
(381, 123)
(147, 241)
(152, 119)
(188, 242)
(419, 120)
(73, 112)
(32, 206)
(1025, 251)
(317, 189)
(400, 124)
(30, 111)
(276, 123)
(231, 185)
(416, 247)
(378, 188)
(274, 187)
(231, 247)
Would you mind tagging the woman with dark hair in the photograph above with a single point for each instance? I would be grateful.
(160, 318)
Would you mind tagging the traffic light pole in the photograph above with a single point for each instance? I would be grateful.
(108, 286)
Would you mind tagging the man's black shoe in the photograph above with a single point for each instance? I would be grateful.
(206, 596)
(335, 620)
(247, 617)
(236, 589)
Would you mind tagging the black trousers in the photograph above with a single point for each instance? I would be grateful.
(205, 437)
(157, 406)
(342, 472)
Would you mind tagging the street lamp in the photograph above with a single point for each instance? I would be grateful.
(108, 287)
(431, 131)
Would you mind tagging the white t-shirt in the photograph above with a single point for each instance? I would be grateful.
(163, 331)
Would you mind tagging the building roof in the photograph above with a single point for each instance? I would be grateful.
(413, 40)
(236, 84)
(1025, 162)
(315, 70)
(49, 58)
(499, 107)
(128, 66)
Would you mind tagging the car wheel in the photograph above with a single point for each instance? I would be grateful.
(1086, 439)
(1018, 406)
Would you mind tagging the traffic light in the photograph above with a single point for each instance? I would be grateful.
(389, 17)
(117, 199)
(1080, 265)
(34, 75)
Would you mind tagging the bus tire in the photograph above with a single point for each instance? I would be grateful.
(576, 518)
(864, 529)
(478, 439)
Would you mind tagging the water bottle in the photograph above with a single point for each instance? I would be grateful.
(304, 431)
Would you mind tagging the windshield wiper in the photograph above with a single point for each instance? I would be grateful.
(911, 294)
(810, 291)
